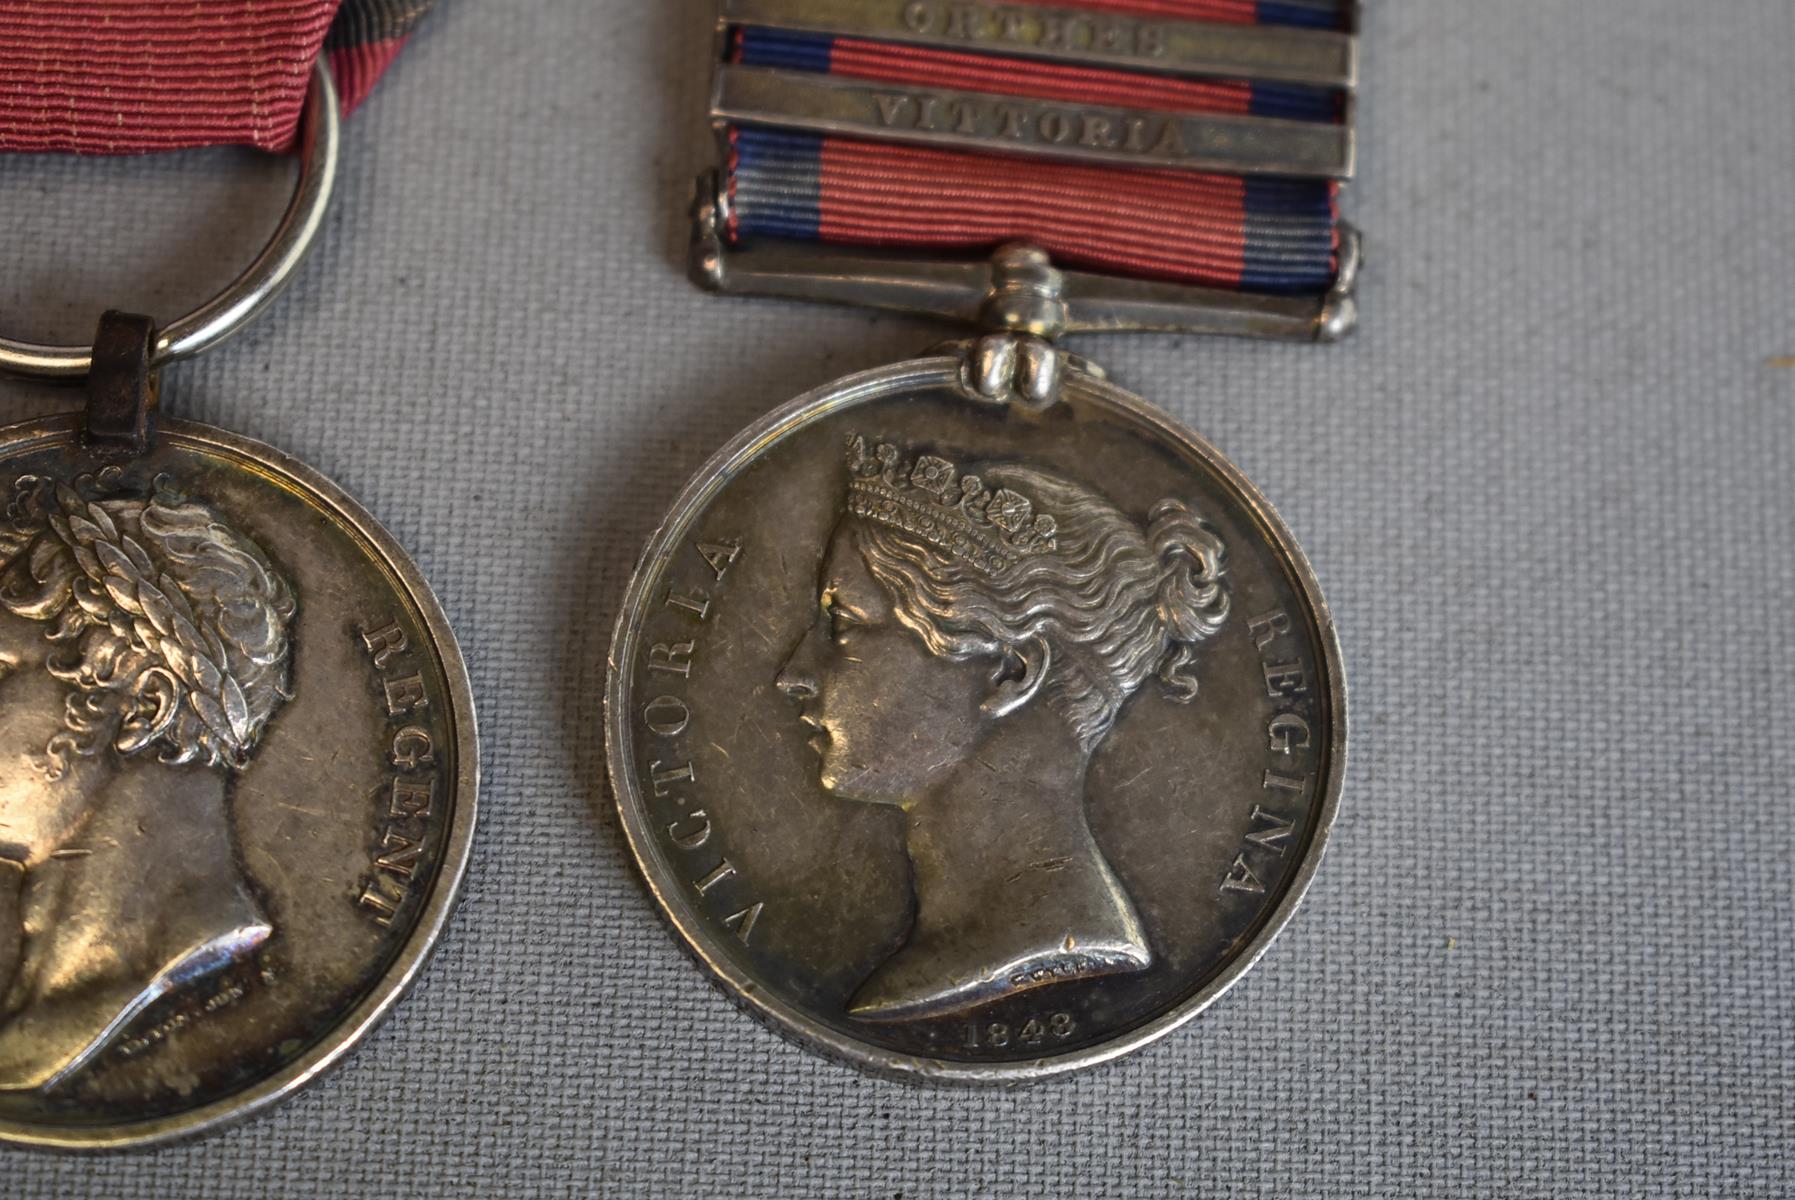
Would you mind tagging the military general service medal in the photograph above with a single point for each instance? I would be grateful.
(238, 761)
(969, 718)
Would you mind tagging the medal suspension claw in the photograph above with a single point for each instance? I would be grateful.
(1025, 309)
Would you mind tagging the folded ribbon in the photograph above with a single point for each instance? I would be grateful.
(136, 76)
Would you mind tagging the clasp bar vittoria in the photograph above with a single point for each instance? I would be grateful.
(868, 147)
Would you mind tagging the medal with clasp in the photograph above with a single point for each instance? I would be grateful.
(970, 718)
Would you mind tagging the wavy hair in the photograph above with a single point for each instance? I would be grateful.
(154, 604)
(1113, 603)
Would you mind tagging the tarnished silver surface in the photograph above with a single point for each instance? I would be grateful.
(238, 768)
(1070, 34)
(972, 740)
(1038, 128)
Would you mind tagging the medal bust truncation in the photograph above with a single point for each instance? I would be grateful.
(176, 631)
(1092, 608)
(1006, 743)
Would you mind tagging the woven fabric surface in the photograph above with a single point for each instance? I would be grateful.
(141, 76)
(1547, 488)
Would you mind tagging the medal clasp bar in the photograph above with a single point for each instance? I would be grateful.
(783, 91)
(985, 122)
(1067, 34)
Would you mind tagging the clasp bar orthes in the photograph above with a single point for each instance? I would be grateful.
(1067, 33)
(1016, 290)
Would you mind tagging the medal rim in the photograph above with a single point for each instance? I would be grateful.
(411, 959)
(707, 947)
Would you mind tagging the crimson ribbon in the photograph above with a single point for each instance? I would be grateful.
(1216, 230)
(136, 76)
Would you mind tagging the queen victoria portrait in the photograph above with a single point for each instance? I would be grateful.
(144, 649)
(979, 629)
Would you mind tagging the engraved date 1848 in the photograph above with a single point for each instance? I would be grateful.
(1036, 1031)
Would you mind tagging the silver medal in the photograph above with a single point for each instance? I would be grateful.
(970, 719)
(972, 739)
(238, 761)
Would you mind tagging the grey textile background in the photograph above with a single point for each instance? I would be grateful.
(1552, 952)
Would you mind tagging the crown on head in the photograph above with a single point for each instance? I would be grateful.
(931, 499)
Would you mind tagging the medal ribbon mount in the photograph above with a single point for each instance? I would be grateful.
(1179, 160)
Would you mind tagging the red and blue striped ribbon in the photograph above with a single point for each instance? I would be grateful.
(1310, 14)
(365, 38)
(1252, 234)
(137, 76)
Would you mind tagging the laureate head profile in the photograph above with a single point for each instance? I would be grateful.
(144, 648)
(979, 629)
